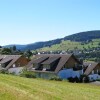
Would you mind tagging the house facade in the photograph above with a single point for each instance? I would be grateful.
(92, 70)
(13, 63)
(49, 65)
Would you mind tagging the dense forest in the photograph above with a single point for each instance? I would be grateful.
(84, 36)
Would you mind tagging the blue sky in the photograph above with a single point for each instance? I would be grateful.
(28, 21)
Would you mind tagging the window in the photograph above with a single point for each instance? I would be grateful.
(97, 71)
(18, 64)
(93, 72)
(91, 78)
(76, 65)
(46, 67)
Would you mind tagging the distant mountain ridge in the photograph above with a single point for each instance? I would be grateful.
(19, 47)
(84, 36)
(78, 37)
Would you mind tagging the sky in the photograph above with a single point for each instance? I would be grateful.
(29, 21)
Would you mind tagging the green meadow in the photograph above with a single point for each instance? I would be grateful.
(19, 88)
(71, 45)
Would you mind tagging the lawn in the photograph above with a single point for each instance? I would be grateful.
(18, 88)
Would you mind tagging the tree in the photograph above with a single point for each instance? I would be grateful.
(14, 48)
(99, 43)
(6, 51)
(0, 46)
(28, 53)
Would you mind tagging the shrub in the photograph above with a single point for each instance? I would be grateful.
(81, 78)
(4, 72)
(71, 79)
(98, 73)
(75, 79)
(56, 78)
(28, 74)
(85, 79)
(12, 73)
(98, 80)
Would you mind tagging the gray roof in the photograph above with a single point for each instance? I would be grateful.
(63, 58)
(50, 60)
(90, 67)
(12, 58)
(37, 60)
(40, 60)
(1, 57)
(62, 62)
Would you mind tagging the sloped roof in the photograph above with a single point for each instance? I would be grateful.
(1, 57)
(50, 60)
(12, 58)
(62, 62)
(5, 60)
(37, 61)
(41, 59)
(15, 58)
(63, 58)
(91, 66)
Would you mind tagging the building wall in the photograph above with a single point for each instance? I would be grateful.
(71, 63)
(46, 66)
(45, 75)
(94, 77)
(22, 61)
(97, 69)
(35, 66)
(94, 74)
(16, 70)
(66, 73)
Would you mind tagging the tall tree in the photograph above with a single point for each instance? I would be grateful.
(14, 48)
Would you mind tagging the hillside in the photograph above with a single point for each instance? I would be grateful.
(19, 47)
(72, 45)
(84, 36)
(78, 37)
(17, 88)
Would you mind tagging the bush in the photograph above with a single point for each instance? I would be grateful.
(76, 79)
(56, 78)
(28, 74)
(71, 79)
(98, 73)
(84, 78)
(98, 80)
(4, 72)
(13, 73)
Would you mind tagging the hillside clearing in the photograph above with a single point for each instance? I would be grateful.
(18, 88)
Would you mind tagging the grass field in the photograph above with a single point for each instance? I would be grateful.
(18, 88)
(70, 45)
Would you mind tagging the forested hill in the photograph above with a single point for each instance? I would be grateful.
(84, 36)
(78, 37)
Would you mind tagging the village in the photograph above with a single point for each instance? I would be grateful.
(48, 66)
